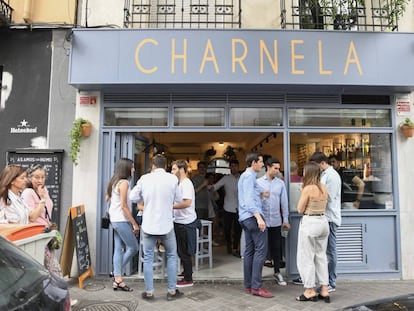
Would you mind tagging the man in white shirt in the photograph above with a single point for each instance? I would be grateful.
(158, 190)
(185, 222)
(331, 179)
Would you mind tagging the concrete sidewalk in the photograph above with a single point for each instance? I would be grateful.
(98, 294)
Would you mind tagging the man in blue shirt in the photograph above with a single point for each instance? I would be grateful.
(254, 226)
(275, 212)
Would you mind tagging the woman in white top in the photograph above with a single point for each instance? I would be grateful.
(12, 208)
(123, 223)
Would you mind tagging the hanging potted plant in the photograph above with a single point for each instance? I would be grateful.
(407, 127)
(81, 128)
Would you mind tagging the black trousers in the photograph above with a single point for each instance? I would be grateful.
(274, 240)
(182, 250)
(231, 224)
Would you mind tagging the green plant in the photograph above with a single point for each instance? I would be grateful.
(343, 14)
(75, 136)
(408, 122)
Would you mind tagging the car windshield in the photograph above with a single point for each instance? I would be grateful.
(18, 272)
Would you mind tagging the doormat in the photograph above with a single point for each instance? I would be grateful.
(95, 305)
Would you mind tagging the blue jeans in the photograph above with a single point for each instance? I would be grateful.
(254, 254)
(170, 244)
(331, 254)
(124, 238)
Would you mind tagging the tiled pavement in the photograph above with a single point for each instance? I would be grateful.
(98, 294)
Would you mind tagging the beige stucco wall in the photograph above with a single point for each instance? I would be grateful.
(263, 14)
(405, 153)
(406, 23)
(102, 13)
(44, 11)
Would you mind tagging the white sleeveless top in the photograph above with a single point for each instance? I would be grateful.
(115, 210)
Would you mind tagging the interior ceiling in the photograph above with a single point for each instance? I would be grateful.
(194, 145)
(196, 142)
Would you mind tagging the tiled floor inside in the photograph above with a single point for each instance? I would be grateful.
(225, 267)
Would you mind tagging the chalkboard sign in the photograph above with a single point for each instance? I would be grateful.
(51, 160)
(76, 236)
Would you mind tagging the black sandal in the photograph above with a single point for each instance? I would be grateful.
(304, 298)
(124, 288)
(327, 299)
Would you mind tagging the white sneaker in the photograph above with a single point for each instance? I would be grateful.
(279, 279)
(331, 289)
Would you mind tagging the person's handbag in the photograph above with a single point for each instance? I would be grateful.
(105, 221)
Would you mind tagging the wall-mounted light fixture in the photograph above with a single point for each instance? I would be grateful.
(221, 144)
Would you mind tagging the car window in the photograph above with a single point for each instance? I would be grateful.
(18, 272)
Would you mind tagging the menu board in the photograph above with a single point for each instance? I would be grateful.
(51, 160)
(76, 237)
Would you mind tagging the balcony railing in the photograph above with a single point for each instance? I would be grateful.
(5, 13)
(370, 15)
(358, 15)
(182, 14)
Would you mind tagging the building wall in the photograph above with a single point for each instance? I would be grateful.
(260, 14)
(24, 113)
(62, 112)
(405, 152)
(101, 13)
(406, 23)
(85, 174)
(44, 11)
(263, 14)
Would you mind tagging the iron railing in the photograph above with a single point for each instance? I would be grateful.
(369, 15)
(5, 13)
(358, 15)
(182, 14)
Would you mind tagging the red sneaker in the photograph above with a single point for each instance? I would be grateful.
(262, 292)
(248, 290)
(184, 283)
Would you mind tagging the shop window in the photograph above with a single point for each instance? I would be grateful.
(148, 117)
(196, 117)
(256, 117)
(362, 159)
(324, 117)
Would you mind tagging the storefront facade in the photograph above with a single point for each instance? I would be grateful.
(336, 92)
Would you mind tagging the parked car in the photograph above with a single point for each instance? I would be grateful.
(27, 285)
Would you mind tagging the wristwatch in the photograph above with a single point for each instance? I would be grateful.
(42, 201)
